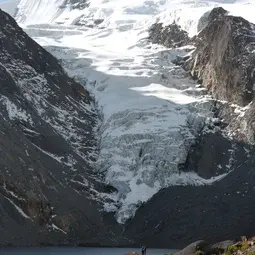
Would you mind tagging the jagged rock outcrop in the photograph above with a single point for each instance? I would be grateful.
(48, 192)
(170, 36)
(224, 59)
(224, 62)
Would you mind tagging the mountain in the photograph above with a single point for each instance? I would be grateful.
(138, 146)
(48, 147)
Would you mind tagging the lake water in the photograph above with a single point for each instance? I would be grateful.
(79, 251)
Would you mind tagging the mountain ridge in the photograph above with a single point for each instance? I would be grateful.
(47, 148)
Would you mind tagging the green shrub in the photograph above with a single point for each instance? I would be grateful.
(231, 250)
(198, 252)
(244, 246)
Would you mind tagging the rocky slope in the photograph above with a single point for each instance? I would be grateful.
(48, 193)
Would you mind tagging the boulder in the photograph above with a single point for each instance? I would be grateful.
(194, 248)
(203, 248)
(223, 245)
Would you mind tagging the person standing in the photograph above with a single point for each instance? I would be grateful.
(143, 250)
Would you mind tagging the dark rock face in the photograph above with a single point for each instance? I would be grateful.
(213, 155)
(48, 192)
(224, 58)
(170, 36)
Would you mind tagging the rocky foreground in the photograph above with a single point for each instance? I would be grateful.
(229, 247)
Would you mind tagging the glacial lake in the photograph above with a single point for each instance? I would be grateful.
(79, 251)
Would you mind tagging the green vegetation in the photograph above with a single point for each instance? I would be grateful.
(231, 250)
(244, 247)
(198, 252)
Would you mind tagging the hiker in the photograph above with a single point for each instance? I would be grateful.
(143, 250)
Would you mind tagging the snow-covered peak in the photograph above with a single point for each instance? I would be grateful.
(121, 14)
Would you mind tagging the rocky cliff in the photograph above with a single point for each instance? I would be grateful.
(224, 62)
(48, 192)
(224, 58)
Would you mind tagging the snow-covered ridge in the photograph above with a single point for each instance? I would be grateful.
(148, 104)
(122, 14)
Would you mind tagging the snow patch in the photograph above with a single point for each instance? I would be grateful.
(22, 213)
(68, 160)
(55, 227)
(15, 112)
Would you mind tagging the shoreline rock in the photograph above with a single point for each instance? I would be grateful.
(229, 247)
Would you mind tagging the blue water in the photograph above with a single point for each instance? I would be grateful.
(79, 251)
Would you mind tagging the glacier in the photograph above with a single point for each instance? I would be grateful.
(151, 111)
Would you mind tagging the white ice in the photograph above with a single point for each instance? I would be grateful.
(22, 213)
